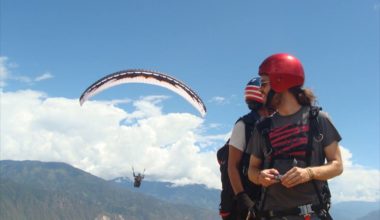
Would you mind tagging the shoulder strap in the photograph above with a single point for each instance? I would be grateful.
(314, 131)
(264, 126)
(250, 121)
(315, 134)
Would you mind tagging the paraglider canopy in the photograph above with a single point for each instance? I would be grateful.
(148, 77)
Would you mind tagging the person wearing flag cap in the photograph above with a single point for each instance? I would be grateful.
(245, 192)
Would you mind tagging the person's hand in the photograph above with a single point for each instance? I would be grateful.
(295, 176)
(244, 202)
(268, 177)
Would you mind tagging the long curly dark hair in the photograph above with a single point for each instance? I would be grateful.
(304, 96)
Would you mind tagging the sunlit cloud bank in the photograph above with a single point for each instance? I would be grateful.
(357, 183)
(91, 137)
(171, 147)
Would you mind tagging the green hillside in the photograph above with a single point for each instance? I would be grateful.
(37, 190)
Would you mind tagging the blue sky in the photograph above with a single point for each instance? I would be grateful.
(52, 50)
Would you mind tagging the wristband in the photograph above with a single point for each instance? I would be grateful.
(310, 172)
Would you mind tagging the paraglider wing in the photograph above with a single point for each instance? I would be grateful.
(145, 76)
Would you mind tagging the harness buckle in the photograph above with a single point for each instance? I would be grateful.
(305, 210)
(319, 138)
(271, 213)
(267, 153)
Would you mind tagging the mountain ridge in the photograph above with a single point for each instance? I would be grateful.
(51, 190)
(55, 190)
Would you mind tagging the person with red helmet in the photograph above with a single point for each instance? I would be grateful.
(242, 191)
(289, 149)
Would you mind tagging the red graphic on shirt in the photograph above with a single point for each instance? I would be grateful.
(289, 140)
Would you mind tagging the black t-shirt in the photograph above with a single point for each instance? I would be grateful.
(289, 137)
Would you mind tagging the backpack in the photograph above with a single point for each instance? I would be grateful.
(227, 198)
(324, 195)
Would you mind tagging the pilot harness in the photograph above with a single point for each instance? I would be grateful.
(321, 210)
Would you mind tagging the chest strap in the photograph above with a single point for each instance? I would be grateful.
(304, 210)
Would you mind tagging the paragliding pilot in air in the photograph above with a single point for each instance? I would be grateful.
(138, 178)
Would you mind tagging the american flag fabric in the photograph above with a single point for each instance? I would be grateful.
(252, 90)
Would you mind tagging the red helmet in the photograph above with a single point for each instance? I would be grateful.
(284, 71)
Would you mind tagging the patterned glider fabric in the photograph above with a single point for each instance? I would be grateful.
(148, 77)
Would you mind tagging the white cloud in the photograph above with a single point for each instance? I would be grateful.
(357, 183)
(30, 80)
(4, 72)
(42, 77)
(171, 148)
(118, 101)
(91, 137)
(213, 142)
(219, 100)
